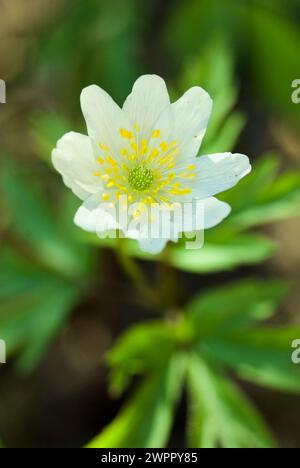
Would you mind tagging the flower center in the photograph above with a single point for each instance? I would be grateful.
(140, 178)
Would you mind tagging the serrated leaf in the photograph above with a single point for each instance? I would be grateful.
(146, 420)
(140, 349)
(234, 306)
(261, 356)
(264, 195)
(220, 414)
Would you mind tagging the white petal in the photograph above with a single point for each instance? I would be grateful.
(104, 119)
(149, 107)
(215, 211)
(152, 246)
(191, 114)
(93, 216)
(74, 158)
(214, 173)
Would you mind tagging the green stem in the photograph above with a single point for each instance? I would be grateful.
(135, 273)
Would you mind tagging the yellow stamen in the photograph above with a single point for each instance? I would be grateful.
(105, 196)
(126, 134)
(164, 146)
(103, 147)
(156, 133)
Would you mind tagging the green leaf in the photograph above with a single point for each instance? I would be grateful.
(267, 72)
(246, 249)
(142, 348)
(220, 414)
(227, 136)
(36, 225)
(261, 356)
(47, 129)
(34, 306)
(264, 196)
(146, 420)
(234, 306)
(213, 68)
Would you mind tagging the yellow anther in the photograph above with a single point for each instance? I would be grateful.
(124, 152)
(136, 127)
(164, 146)
(143, 150)
(111, 161)
(105, 177)
(191, 167)
(103, 147)
(156, 133)
(126, 134)
(105, 196)
(97, 174)
(186, 191)
(100, 160)
(134, 146)
(110, 184)
(154, 153)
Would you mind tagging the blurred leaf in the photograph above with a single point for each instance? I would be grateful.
(220, 415)
(227, 136)
(85, 46)
(219, 253)
(48, 128)
(234, 306)
(262, 356)
(140, 349)
(263, 196)
(34, 306)
(145, 421)
(193, 23)
(271, 75)
(213, 70)
(246, 249)
(35, 224)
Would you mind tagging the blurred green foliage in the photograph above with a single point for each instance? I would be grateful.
(47, 265)
(219, 330)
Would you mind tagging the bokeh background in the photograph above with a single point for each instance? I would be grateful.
(64, 298)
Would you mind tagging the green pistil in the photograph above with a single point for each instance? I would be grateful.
(140, 178)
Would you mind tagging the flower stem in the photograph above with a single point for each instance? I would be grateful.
(135, 273)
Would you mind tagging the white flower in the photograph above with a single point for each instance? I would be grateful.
(146, 151)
